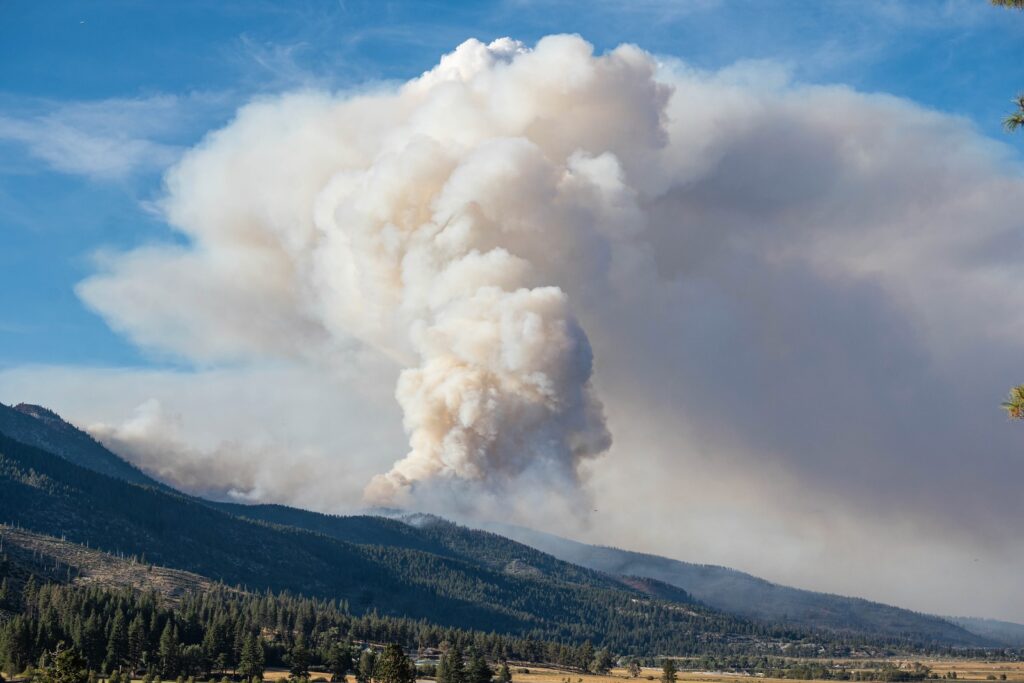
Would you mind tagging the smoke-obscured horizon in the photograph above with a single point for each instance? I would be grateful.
(716, 315)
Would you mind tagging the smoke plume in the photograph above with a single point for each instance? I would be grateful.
(796, 307)
(154, 440)
(437, 224)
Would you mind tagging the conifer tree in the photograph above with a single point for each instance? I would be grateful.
(602, 662)
(478, 671)
(298, 659)
(137, 641)
(170, 651)
(117, 643)
(28, 593)
(586, 656)
(441, 672)
(251, 660)
(92, 642)
(339, 661)
(364, 672)
(669, 671)
(453, 669)
(393, 666)
(68, 666)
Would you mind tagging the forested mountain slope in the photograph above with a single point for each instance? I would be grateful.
(416, 565)
(1007, 633)
(43, 428)
(435, 535)
(25, 554)
(46, 494)
(749, 596)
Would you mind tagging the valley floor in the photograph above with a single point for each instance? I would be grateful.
(969, 670)
(966, 670)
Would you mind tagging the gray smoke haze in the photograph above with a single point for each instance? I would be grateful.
(796, 309)
(245, 472)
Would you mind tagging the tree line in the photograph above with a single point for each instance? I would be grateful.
(226, 632)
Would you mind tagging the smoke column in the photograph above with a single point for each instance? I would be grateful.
(438, 224)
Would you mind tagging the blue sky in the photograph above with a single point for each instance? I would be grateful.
(92, 79)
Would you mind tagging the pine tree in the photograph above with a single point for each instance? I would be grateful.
(137, 642)
(478, 671)
(393, 666)
(453, 667)
(504, 674)
(364, 672)
(298, 659)
(92, 642)
(339, 661)
(251, 659)
(238, 641)
(216, 643)
(602, 662)
(668, 671)
(117, 643)
(585, 656)
(169, 651)
(18, 643)
(68, 666)
(441, 672)
(28, 594)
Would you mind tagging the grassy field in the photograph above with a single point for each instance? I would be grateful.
(970, 670)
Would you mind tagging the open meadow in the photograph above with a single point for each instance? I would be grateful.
(970, 670)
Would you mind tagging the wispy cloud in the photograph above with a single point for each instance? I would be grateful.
(108, 139)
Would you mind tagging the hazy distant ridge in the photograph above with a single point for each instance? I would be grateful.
(749, 596)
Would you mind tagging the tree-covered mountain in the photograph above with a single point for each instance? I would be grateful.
(46, 494)
(422, 566)
(739, 593)
(44, 429)
(438, 536)
(26, 554)
(1007, 633)
(725, 589)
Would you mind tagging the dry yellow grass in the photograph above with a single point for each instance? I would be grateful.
(969, 670)
(972, 670)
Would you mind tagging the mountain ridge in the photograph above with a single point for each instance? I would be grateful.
(43, 428)
(738, 592)
(49, 495)
(498, 555)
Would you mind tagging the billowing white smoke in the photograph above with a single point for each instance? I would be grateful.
(153, 439)
(440, 224)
